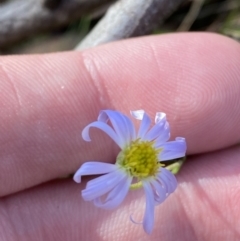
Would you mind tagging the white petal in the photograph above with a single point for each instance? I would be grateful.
(116, 196)
(160, 117)
(148, 220)
(93, 168)
(173, 149)
(104, 127)
(102, 185)
(122, 125)
(137, 114)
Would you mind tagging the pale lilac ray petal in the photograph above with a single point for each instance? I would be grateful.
(107, 183)
(116, 120)
(104, 127)
(104, 178)
(119, 123)
(168, 179)
(148, 219)
(173, 149)
(92, 168)
(160, 129)
(116, 196)
(165, 185)
(160, 192)
(164, 136)
(131, 129)
(171, 178)
(145, 123)
(160, 132)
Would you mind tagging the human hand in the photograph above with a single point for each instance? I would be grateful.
(46, 101)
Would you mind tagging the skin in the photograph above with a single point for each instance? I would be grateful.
(46, 100)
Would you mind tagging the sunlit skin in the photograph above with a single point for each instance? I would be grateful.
(47, 100)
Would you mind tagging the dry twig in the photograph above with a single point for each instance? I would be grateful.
(128, 18)
(22, 18)
(191, 15)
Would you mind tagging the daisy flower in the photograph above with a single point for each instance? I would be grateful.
(138, 164)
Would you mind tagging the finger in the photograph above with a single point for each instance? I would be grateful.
(204, 207)
(47, 100)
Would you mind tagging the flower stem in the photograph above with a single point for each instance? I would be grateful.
(135, 186)
(176, 166)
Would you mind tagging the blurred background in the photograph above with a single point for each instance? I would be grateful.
(43, 26)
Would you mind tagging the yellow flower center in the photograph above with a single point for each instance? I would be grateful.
(140, 160)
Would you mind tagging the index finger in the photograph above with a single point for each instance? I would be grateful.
(46, 100)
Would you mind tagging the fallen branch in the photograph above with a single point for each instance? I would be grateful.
(23, 18)
(191, 16)
(129, 18)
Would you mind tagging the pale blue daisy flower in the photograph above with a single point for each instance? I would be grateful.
(138, 165)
